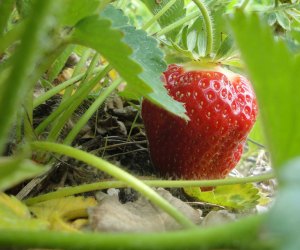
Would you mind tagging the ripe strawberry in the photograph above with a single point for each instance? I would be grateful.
(222, 109)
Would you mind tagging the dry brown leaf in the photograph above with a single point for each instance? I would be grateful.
(139, 216)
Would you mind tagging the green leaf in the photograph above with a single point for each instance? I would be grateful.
(274, 72)
(74, 10)
(283, 20)
(225, 49)
(96, 32)
(284, 220)
(239, 196)
(15, 215)
(142, 69)
(16, 87)
(68, 15)
(271, 18)
(199, 27)
(220, 26)
(176, 12)
(14, 170)
(59, 63)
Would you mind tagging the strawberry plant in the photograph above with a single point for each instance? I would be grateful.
(69, 68)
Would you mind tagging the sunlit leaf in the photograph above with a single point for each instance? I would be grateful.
(239, 196)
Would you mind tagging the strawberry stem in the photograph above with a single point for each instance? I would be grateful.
(208, 25)
(67, 191)
(117, 173)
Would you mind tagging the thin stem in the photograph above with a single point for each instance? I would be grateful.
(242, 234)
(176, 24)
(276, 3)
(119, 174)
(133, 125)
(67, 191)
(158, 15)
(79, 67)
(28, 116)
(208, 26)
(91, 110)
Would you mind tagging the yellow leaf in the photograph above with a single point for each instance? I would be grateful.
(59, 212)
(15, 215)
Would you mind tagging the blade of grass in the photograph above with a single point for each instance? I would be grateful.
(66, 115)
(55, 90)
(76, 97)
(79, 67)
(59, 63)
(6, 8)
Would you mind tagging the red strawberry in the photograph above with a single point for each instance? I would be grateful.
(222, 109)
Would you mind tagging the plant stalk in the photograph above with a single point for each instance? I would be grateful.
(119, 174)
(208, 26)
(67, 191)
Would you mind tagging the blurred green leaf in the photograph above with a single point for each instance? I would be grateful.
(239, 196)
(6, 8)
(274, 72)
(35, 39)
(70, 14)
(14, 170)
(75, 10)
(24, 7)
(284, 220)
(176, 12)
(256, 133)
